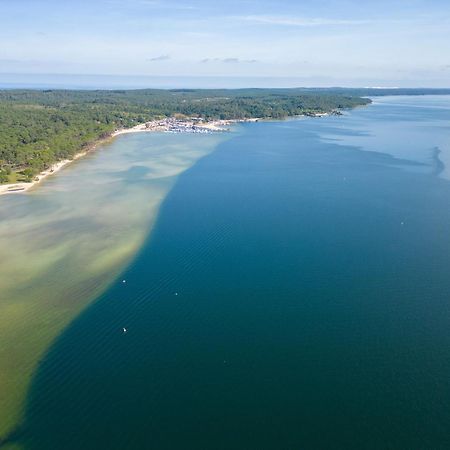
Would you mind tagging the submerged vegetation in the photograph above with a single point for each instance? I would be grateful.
(39, 128)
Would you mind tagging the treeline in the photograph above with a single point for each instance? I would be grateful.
(39, 128)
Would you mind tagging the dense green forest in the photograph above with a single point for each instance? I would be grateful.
(38, 128)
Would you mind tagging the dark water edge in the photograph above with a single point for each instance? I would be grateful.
(294, 294)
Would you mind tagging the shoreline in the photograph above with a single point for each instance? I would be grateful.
(167, 125)
(22, 186)
(17, 188)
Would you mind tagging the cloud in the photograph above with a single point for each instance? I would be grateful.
(229, 60)
(159, 58)
(299, 21)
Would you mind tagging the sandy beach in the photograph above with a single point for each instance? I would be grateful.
(15, 188)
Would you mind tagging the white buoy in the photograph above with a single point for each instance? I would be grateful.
(124, 281)
(124, 330)
(176, 293)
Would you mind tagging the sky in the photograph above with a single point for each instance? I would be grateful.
(311, 42)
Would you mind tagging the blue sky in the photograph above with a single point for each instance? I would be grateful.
(319, 42)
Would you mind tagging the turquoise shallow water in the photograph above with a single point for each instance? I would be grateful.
(294, 294)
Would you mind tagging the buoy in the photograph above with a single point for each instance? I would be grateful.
(124, 281)
(124, 330)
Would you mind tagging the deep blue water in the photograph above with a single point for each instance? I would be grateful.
(295, 294)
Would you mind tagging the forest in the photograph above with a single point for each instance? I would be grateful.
(41, 127)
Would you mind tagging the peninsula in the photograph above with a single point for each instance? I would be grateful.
(43, 130)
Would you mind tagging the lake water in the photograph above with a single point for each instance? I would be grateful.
(293, 293)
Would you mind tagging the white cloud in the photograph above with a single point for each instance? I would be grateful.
(160, 58)
(229, 60)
